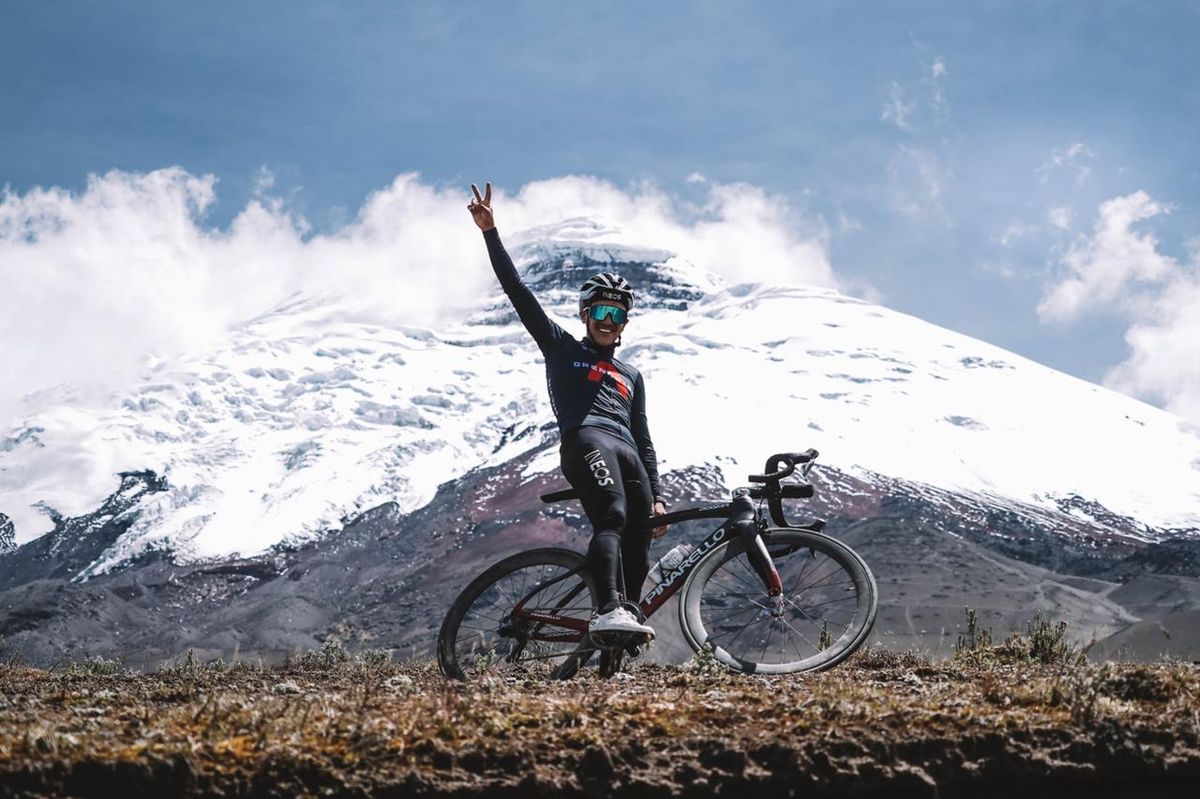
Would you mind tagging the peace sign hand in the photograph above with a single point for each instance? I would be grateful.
(481, 207)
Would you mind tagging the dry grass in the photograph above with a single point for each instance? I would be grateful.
(326, 722)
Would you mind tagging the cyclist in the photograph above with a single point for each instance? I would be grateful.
(600, 405)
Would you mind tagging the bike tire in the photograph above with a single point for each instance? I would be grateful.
(475, 640)
(826, 611)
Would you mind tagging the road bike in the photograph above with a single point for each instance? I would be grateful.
(763, 596)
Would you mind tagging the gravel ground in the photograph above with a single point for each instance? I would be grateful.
(327, 725)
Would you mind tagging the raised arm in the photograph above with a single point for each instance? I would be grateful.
(545, 332)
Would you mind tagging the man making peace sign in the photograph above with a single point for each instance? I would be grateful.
(600, 405)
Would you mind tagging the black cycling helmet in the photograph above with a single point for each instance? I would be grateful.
(606, 286)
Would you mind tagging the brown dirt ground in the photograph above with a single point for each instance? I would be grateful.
(883, 724)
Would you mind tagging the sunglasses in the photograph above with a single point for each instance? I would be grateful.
(601, 312)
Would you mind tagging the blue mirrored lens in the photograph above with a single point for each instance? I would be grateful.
(602, 312)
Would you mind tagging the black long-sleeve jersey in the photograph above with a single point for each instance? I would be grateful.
(588, 386)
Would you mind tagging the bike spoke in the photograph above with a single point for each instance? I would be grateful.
(797, 648)
(729, 646)
(837, 569)
(503, 593)
(524, 579)
(753, 608)
(802, 635)
(800, 576)
(766, 642)
(805, 608)
(726, 572)
(752, 577)
(831, 601)
(753, 586)
(483, 615)
(481, 629)
(716, 622)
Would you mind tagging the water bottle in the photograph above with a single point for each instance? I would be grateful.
(670, 562)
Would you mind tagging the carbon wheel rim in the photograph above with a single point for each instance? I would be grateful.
(486, 638)
(825, 613)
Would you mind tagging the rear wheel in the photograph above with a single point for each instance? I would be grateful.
(825, 613)
(481, 635)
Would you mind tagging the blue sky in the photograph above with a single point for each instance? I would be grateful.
(955, 155)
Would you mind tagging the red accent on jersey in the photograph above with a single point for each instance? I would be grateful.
(599, 370)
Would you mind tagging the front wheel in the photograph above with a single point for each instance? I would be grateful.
(482, 634)
(824, 614)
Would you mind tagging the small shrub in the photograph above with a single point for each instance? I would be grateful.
(826, 639)
(1143, 683)
(1047, 641)
(421, 663)
(1043, 642)
(485, 660)
(877, 658)
(1081, 691)
(974, 638)
(98, 666)
(189, 666)
(327, 658)
(705, 664)
(247, 667)
(400, 683)
(11, 658)
(374, 658)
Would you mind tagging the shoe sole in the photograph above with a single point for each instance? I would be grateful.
(618, 637)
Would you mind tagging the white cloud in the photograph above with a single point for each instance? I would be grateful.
(264, 181)
(918, 177)
(1060, 217)
(1014, 231)
(847, 223)
(1002, 269)
(920, 169)
(1108, 269)
(696, 177)
(740, 232)
(897, 110)
(94, 283)
(1071, 160)
(920, 106)
(939, 101)
(1121, 270)
(1164, 362)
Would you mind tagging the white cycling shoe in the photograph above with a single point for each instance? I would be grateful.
(617, 621)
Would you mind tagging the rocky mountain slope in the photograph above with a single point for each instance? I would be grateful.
(325, 476)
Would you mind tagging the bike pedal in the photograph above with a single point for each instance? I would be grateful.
(609, 640)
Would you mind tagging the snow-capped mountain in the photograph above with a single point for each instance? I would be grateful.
(311, 414)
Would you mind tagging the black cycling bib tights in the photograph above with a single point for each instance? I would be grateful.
(600, 405)
(613, 487)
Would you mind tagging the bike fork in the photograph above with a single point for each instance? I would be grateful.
(742, 521)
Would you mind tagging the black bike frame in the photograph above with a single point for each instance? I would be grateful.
(736, 523)
(657, 596)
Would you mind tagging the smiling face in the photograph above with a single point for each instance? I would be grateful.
(604, 331)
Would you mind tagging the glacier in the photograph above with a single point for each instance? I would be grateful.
(313, 411)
